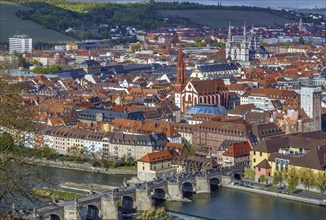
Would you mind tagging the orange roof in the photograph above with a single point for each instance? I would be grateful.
(238, 149)
(156, 156)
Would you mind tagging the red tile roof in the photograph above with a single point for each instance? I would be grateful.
(239, 149)
(156, 156)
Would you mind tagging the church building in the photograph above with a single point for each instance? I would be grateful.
(213, 92)
(245, 47)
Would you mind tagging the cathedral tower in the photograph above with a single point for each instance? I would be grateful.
(180, 82)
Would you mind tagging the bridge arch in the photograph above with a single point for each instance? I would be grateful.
(214, 183)
(159, 193)
(158, 196)
(127, 202)
(188, 189)
(93, 212)
(54, 217)
(237, 176)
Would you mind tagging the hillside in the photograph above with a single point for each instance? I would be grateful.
(10, 24)
(221, 18)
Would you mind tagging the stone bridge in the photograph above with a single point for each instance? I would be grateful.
(141, 197)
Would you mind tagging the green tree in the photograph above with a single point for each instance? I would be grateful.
(293, 174)
(17, 178)
(320, 181)
(6, 142)
(276, 179)
(291, 184)
(250, 173)
(306, 177)
(87, 35)
(287, 45)
(293, 178)
(135, 47)
(262, 179)
(301, 40)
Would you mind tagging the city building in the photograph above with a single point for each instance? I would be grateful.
(298, 150)
(213, 92)
(237, 154)
(245, 47)
(20, 44)
(155, 165)
(311, 103)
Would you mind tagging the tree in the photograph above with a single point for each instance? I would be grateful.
(17, 177)
(135, 47)
(250, 173)
(320, 181)
(287, 45)
(276, 179)
(306, 177)
(79, 152)
(6, 142)
(291, 184)
(301, 40)
(293, 174)
(293, 178)
(262, 179)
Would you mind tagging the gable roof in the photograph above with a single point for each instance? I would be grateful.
(238, 149)
(156, 156)
(264, 164)
(207, 86)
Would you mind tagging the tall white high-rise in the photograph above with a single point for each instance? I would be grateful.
(310, 101)
(20, 44)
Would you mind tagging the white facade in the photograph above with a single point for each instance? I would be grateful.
(310, 101)
(20, 44)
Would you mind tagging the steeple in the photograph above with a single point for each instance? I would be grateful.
(244, 32)
(229, 33)
(181, 70)
(180, 82)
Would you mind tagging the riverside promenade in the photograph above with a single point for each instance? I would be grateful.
(82, 166)
(297, 195)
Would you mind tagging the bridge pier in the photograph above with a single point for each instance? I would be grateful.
(109, 209)
(143, 199)
(203, 185)
(226, 180)
(175, 191)
(72, 212)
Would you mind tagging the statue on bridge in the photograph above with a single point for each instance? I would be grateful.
(13, 207)
(91, 192)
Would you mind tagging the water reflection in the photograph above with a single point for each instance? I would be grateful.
(231, 204)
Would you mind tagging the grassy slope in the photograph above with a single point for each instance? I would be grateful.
(221, 18)
(10, 24)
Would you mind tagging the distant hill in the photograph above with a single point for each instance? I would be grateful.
(221, 18)
(10, 24)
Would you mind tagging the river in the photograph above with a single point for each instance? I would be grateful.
(223, 204)
(257, 3)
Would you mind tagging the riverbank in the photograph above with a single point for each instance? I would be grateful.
(82, 167)
(279, 195)
(86, 187)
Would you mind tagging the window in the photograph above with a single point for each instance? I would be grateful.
(258, 168)
(254, 160)
(261, 153)
(143, 168)
(254, 152)
(154, 168)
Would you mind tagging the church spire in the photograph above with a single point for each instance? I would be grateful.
(229, 33)
(181, 69)
(244, 31)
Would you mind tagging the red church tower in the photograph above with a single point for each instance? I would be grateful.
(180, 82)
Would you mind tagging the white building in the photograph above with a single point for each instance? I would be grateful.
(310, 101)
(20, 44)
